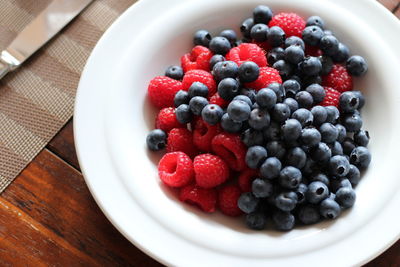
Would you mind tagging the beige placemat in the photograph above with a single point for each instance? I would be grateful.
(38, 98)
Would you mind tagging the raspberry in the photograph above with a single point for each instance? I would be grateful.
(265, 46)
(247, 52)
(339, 79)
(313, 51)
(205, 199)
(291, 23)
(176, 169)
(166, 120)
(267, 75)
(199, 76)
(210, 170)
(227, 200)
(246, 178)
(181, 139)
(216, 99)
(331, 97)
(162, 90)
(203, 134)
(198, 58)
(231, 149)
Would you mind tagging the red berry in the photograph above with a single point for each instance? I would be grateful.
(162, 90)
(210, 170)
(291, 23)
(265, 46)
(331, 97)
(181, 139)
(313, 51)
(203, 134)
(198, 58)
(247, 52)
(199, 76)
(231, 149)
(176, 169)
(216, 99)
(246, 178)
(166, 120)
(267, 75)
(227, 200)
(339, 79)
(205, 199)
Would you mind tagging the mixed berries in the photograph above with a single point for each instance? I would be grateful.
(267, 127)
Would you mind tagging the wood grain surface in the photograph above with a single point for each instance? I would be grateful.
(49, 218)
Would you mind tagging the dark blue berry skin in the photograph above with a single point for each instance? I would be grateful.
(262, 188)
(291, 130)
(280, 112)
(361, 138)
(220, 45)
(273, 132)
(259, 32)
(238, 110)
(230, 125)
(197, 104)
(329, 45)
(310, 137)
(319, 113)
(329, 132)
(294, 40)
(312, 35)
(259, 119)
(304, 116)
(278, 89)
(310, 66)
(271, 168)
(266, 98)
(251, 137)
(329, 208)
(246, 26)
(339, 183)
(342, 133)
(228, 88)
(275, 54)
(245, 99)
(301, 193)
(307, 80)
(198, 89)
(250, 93)
(230, 35)
(315, 21)
(321, 153)
(285, 68)
(304, 99)
(256, 220)
(290, 177)
(284, 221)
(310, 166)
(352, 122)
(296, 157)
(276, 36)
(291, 87)
(181, 97)
(156, 140)
(346, 197)
(348, 145)
(326, 63)
(348, 102)
(317, 191)
(339, 166)
(308, 214)
(361, 99)
(336, 148)
(202, 37)
(342, 54)
(354, 175)
(333, 114)
(286, 201)
(225, 69)
(276, 149)
(183, 113)
(262, 14)
(356, 65)
(212, 114)
(294, 54)
(247, 202)
(292, 104)
(255, 156)
(215, 59)
(174, 72)
(248, 72)
(360, 157)
(321, 177)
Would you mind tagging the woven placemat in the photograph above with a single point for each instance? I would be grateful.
(38, 99)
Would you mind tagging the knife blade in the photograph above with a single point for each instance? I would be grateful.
(38, 32)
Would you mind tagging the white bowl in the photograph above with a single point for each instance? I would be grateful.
(149, 214)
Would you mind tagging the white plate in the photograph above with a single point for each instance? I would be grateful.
(112, 118)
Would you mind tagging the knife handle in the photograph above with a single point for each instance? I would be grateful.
(4, 68)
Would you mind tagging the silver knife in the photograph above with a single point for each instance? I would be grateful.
(37, 33)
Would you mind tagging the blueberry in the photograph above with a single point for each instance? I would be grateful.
(310, 137)
(197, 104)
(356, 66)
(286, 201)
(202, 37)
(292, 104)
(310, 66)
(342, 133)
(228, 88)
(290, 177)
(230, 125)
(339, 183)
(183, 113)
(245, 99)
(346, 197)
(308, 214)
(342, 54)
(220, 45)
(348, 145)
(259, 119)
(212, 114)
(259, 32)
(285, 68)
(278, 89)
(315, 21)
(361, 138)
(174, 72)
(360, 157)
(321, 153)
(354, 175)
(310, 167)
(284, 221)
(361, 99)
(291, 87)
(280, 112)
(352, 122)
(248, 72)
(319, 113)
(247, 202)
(181, 97)
(225, 69)
(329, 208)
(304, 99)
(255, 156)
(312, 35)
(250, 93)
(296, 157)
(198, 89)
(156, 140)
(266, 98)
(308, 80)
(294, 54)
(326, 64)
(336, 148)
(317, 191)
(256, 220)
(301, 193)
(329, 132)
(328, 32)
(304, 116)
(294, 40)
(246, 26)
(275, 54)
(333, 114)
(273, 132)
(216, 59)
(271, 168)
(291, 130)
(238, 110)
(329, 45)
(262, 188)
(339, 166)
(262, 14)
(276, 149)
(348, 101)
(251, 137)
(230, 35)
(276, 36)
(321, 177)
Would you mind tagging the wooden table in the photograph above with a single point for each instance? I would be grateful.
(48, 217)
